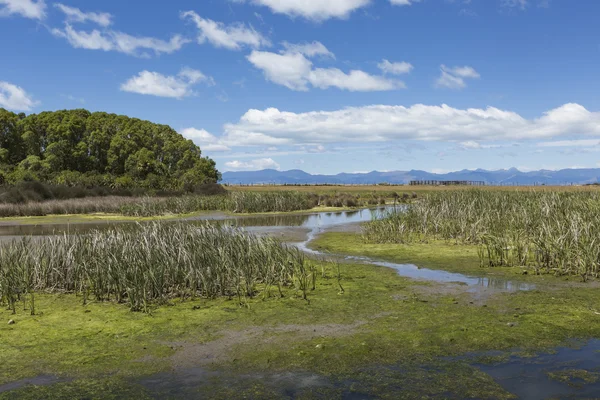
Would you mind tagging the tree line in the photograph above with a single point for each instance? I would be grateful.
(81, 148)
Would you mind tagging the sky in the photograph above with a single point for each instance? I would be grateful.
(324, 86)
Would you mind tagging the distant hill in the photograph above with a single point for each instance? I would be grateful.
(504, 176)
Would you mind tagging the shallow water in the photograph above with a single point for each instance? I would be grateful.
(40, 380)
(529, 378)
(320, 224)
(524, 377)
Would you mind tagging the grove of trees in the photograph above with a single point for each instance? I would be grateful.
(80, 148)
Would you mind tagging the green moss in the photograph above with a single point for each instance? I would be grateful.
(106, 388)
(575, 377)
(380, 320)
(441, 255)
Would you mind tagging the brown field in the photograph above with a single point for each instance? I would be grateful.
(399, 188)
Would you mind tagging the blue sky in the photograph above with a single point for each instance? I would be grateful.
(324, 86)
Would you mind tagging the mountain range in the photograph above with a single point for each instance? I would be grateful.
(499, 177)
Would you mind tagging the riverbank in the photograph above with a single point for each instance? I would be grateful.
(199, 215)
(342, 342)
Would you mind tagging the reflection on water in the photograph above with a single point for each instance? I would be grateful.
(311, 221)
(475, 283)
(531, 378)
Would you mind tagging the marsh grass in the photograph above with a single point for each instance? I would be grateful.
(552, 232)
(235, 202)
(151, 264)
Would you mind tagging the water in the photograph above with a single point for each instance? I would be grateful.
(530, 378)
(567, 373)
(40, 380)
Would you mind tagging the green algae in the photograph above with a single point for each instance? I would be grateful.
(381, 319)
(442, 255)
(575, 377)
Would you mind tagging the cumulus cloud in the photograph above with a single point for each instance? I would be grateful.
(454, 78)
(314, 10)
(404, 2)
(296, 72)
(381, 123)
(395, 68)
(76, 15)
(118, 41)
(111, 40)
(15, 98)
(156, 84)
(232, 37)
(308, 49)
(261, 163)
(206, 140)
(25, 8)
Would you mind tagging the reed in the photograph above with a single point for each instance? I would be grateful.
(151, 264)
(554, 232)
(236, 202)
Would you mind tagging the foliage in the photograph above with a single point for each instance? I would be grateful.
(79, 148)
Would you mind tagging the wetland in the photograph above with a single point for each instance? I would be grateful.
(304, 304)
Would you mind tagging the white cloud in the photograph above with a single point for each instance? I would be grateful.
(571, 143)
(404, 2)
(308, 49)
(454, 78)
(14, 98)
(296, 72)
(119, 41)
(381, 123)
(395, 68)
(26, 8)
(473, 145)
(232, 37)
(76, 15)
(206, 140)
(314, 10)
(156, 84)
(261, 163)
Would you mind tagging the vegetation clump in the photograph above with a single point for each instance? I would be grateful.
(553, 232)
(77, 148)
(152, 263)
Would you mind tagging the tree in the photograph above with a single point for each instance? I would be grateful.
(75, 145)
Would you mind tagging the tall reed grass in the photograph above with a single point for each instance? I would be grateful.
(152, 264)
(557, 232)
(236, 202)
